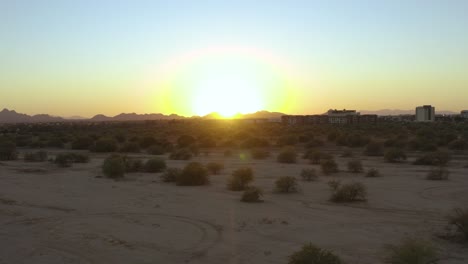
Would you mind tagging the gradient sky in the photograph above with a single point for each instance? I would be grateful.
(87, 57)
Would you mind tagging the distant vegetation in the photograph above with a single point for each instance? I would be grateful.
(412, 251)
(311, 254)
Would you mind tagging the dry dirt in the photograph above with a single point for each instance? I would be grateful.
(72, 215)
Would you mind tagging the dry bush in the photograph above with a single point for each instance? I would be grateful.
(286, 184)
(130, 147)
(373, 172)
(459, 219)
(395, 155)
(67, 159)
(252, 194)
(412, 251)
(181, 154)
(311, 254)
(329, 166)
(435, 159)
(39, 156)
(239, 179)
(348, 192)
(7, 150)
(171, 174)
(193, 174)
(315, 156)
(156, 150)
(355, 166)
(309, 174)
(438, 174)
(374, 149)
(133, 164)
(105, 145)
(114, 167)
(259, 154)
(155, 165)
(215, 167)
(287, 155)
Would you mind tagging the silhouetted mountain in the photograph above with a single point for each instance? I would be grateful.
(7, 116)
(135, 117)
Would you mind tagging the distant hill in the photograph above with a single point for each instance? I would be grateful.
(256, 115)
(135, 117)
(385, 112)
(11, 116)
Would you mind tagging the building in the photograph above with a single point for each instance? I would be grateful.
(464, 114)
(425, 113)
(332, 117)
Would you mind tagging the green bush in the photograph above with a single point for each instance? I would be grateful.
(412, 251)
(355, 166)
(239, 179)
(252, 194)
(171, 175)
(438, 174)
(259, 154)
(215, 167)
(7, 150)
(310, 254)
(105, 145)
(349, 192)
(309, 174)
(373, 173)
(181, 154)
(114, 167)
(459, 219)
(287, 155)
(286, 184)
(155, 165)
(193, 174)
(39, 156)
(374, 149)
(395, 155)
(133, 164)
(435, 159)
(329, 166)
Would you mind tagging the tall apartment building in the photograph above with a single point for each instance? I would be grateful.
(425, 113)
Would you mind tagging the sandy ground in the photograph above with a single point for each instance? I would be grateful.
(68, 215)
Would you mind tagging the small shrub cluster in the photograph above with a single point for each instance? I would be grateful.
(374, 149)
(309, 174)
(329, 166)
(435, 159)
(105, 145)
(355, 166)
(287, 155)
(438, 174)
(193, 174)
(156, 150)
(395, 155)
(459, 219)
(240, 179)
(373, 172)
(412, 251)
(171, 175)
(259, 154)
(311, 254)
(215, 167)
(39, 156)
(252, 194)
(315, 156)
(133, 165)
(286, 184)
(350, 192)
(67, 159)
(7, 150)
(130, 147)
(114, 167)
(181, 154)
(155, 165)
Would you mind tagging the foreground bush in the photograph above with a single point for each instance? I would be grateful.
(252, 194)
(239, 179)
(7, 150)
(39, 156)
(286, 184)
(215, 167)
(329, 166)
(310, 254)
(349, 192)
(373, 173)
(155, 165)
(412, 251)
(355, 166)
(395, 155)
(438, 174)
(171, 175)
(459, 219)
(114, 167)
(287, 155)
(193, 174)
(309, 174)
(435, 159)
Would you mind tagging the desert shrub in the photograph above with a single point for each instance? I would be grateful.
(252, 194)
(310, 254)
(215, 167)
(39, 156)
(394, 155)
(133, 164)
(114, 167)
(147, 141)
(193, 174)
(315, 156)
(373, 173)
(67, 159)
(355, 166)
(313, 143)
(171, 175)
(287, 155)
(130, 147)
(459, 219)
(349, 192)
(155, 165)
(239, 179)
(287, 140)
(374, 149)
(7, 150)
(309, 174)
(286, 184)
(156, 150)
(412, 251)
(105, 145)
(82, 143)
(253, 142)
(79, 157)
(347, 153)
(435, 159)
(329, 166)
(259, 154)
(458, 144)
(180, 154)
(185, 141)
(55, 142)
(438, 174)
(227, 153)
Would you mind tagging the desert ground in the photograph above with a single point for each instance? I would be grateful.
(76, 215)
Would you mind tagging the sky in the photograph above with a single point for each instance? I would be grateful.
(194, 57)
